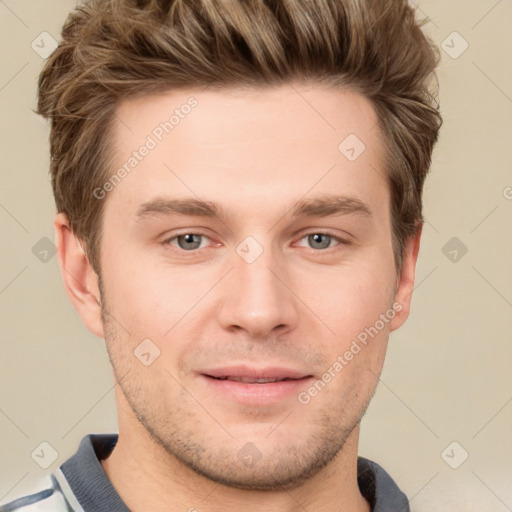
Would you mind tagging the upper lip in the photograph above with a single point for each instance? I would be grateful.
(272, 372)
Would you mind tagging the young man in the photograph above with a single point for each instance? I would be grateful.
(238, 186)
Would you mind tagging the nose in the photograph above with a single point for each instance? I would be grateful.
(258, 297)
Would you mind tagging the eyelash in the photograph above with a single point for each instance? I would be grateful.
(341, 241)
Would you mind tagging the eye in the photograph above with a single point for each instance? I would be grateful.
(323, 241)
(187, 241)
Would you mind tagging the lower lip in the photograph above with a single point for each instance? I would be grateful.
(254, 393)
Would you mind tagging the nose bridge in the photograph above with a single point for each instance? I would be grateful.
(256, 298)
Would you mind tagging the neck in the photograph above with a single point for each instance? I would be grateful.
(147, 477)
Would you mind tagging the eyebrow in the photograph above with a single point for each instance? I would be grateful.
(324, 206)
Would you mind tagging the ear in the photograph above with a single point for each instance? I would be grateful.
(405, 281)
(80, 279)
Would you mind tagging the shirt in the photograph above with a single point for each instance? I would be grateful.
(81, 485)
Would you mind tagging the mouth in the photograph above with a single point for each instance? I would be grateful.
(256, 386)
(250, 380)
(250, 374)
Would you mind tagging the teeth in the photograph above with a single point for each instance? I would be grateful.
(250, 380)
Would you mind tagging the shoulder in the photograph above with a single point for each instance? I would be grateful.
(75, 485)
(44, 496)
(379, 489)
(81, 473)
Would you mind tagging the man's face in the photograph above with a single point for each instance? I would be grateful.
(258, 292)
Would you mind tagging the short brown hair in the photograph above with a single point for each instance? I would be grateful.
(116, 49)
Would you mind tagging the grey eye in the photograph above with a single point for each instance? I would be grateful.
(189, 241)
(319, 240)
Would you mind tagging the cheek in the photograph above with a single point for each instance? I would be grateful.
(349, 298)
(154, 300)
(147, 307)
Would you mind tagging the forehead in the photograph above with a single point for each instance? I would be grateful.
(230, 145)
(307, 110)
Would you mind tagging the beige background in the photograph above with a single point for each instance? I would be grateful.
(448, 373)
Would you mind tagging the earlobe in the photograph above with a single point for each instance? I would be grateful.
(80, 279)
(405, 281)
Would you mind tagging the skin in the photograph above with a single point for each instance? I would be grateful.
(300, 305)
